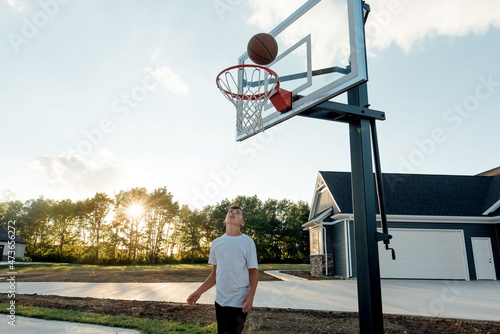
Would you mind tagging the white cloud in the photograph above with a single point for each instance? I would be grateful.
(170, 80)
(403, 22)
(20, 6)
(268, 14)
(69, 174)
(406, 22)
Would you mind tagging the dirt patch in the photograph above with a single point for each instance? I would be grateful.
(260, 320)
(120, 276)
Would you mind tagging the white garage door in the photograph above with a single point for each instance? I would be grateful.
(431, 254)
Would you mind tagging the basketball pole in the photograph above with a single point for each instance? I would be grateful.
(365, 222)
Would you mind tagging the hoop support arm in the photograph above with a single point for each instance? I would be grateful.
(340, 112)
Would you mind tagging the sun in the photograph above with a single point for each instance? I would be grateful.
(135, 210)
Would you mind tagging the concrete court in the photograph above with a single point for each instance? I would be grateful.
(477, 300)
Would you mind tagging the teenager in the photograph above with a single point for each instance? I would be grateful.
(234, 274)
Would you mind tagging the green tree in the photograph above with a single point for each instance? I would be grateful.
(161, 220)
(96, 210)
(34, 226)
(127, 222)
(82, 229)
(63, 217)
(12, 210)
(295, 239)
(189, 233)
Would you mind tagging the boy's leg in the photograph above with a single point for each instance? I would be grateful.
(230, 320)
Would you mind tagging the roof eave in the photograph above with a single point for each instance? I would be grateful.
(317, 220)
(430, 219)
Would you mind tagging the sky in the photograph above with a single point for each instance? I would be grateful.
(103, 96)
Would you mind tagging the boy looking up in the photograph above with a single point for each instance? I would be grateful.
(234, 274)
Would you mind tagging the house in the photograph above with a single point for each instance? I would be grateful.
(19, 243)
(443, 226)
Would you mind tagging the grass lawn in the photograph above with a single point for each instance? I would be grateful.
(144, 325)
(68, 267)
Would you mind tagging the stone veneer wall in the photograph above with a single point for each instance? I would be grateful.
(318, 267)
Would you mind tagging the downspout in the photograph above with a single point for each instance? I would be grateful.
(498, 244)
(351, 217)
(347, 248)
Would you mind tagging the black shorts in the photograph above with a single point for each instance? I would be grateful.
(230, 320)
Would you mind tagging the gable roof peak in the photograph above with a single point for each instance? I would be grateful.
(492, 172)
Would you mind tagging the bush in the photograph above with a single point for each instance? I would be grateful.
(166, 259)
(24, 259)
(194, 259)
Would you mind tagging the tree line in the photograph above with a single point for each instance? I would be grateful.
(139, 227)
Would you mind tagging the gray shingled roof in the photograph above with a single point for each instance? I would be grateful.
(421, 194)
(4, 236)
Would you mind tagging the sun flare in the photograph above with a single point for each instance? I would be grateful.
(135, 210)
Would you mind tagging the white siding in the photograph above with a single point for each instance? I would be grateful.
(315, 240)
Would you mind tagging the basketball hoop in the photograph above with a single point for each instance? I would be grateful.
(248, 87)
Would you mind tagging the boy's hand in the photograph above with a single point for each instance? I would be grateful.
(247, 303)
(193, 298)
(209, 282)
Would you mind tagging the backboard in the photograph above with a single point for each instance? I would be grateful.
(321, 55)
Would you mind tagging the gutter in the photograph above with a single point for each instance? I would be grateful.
(318, 219)
(429, 219)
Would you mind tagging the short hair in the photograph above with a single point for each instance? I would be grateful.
(243, 216)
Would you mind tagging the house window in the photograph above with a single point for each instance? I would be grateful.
(324, 201)
(316, 240)
(318, 201)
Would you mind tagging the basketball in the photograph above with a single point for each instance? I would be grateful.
(262, 49)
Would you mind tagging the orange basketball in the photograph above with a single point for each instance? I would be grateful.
(262, 49)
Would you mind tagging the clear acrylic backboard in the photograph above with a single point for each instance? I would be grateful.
(321, 55)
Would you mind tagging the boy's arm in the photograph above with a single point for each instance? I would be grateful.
(254, 280)
(209, 282)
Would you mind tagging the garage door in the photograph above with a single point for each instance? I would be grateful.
(431, 254)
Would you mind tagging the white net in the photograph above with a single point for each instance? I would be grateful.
(248, 87)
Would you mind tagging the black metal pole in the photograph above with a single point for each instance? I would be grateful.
(365, 223)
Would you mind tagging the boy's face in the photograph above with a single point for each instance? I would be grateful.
(235, 217)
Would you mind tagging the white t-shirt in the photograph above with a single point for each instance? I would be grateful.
(233, 256)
